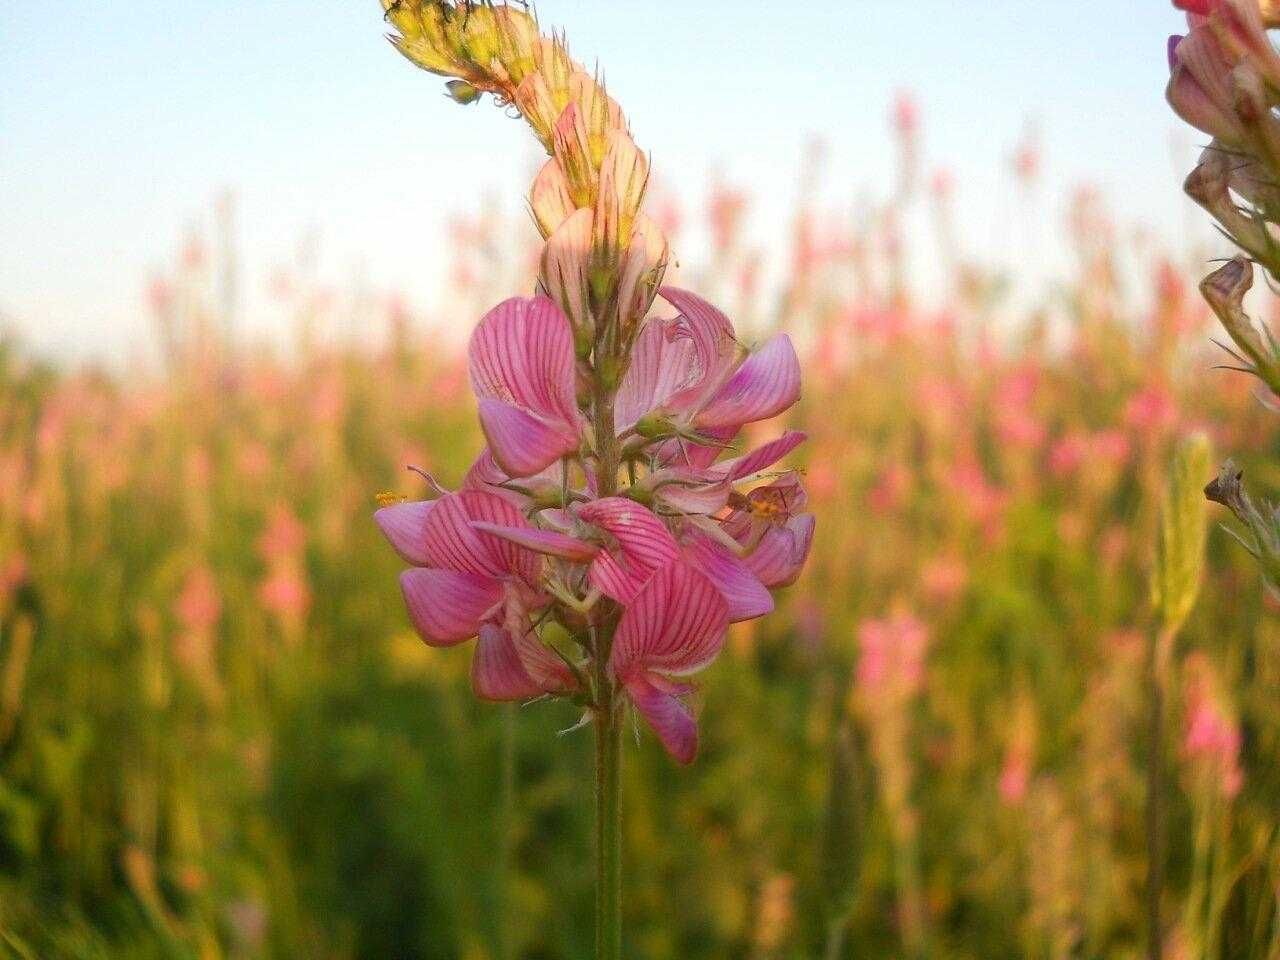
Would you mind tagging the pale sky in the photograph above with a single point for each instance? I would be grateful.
(120, 120)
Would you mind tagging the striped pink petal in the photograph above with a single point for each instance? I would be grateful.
(781, 553)
(763, 456)
(484, 508)
(446, 606)
(668, 715)
(522, 370)
(523, 443)
(497, 672)
(644, 545)
(404, 526)
(450, 543)
(714, 347)
(550, 542)
(675, 625)
(745, 595)
(767, 383)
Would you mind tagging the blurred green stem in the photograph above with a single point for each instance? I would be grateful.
(1159, 645)
(506, 823)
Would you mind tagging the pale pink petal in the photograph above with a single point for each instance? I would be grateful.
(745, 595)
(523, 444)
(782, 551)
(497, 672)
(446, 607)
(767, 383)
(543, 541)
(659, 367)
(404, 526)
(644, 544)
(668, 715)
(675, 625)
(714, 347)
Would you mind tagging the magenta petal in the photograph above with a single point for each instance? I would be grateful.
(445, 606)
(543, 541)
(745, 595)
(668, 715)
(644, 544)
(404, 526)
(675, 625)
(767, 383)
(523, 443)
(497, 672)
(782, 551)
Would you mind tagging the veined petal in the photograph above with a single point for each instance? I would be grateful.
(763, 456)
(543, 541)
(667, 714)
(675, 625)
(767, 383)
(566, 267)
(404, 526)
(485, 508)
(714, 347)
(523, 444)
(497, 672)
(445, 606)
(522, 354)
(781, 553)
(549, 197)
(449, 542)
(643, 267)
(644, 545)
(745, 595)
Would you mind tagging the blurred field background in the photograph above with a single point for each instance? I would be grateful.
(219, 736)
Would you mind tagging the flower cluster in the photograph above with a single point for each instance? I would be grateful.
(527, 549)
(602, 542)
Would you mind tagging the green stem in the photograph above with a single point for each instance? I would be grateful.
(608, 713)
(1158, 651)
(608, 834)
(506, 824)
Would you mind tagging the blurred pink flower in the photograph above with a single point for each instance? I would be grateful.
(892, 655)
(1211, 741)
(199, 605)
(285, 536)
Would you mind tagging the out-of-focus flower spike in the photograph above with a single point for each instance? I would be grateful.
(1180, 555)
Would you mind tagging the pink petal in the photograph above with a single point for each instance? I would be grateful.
(523, 444)
(659, 367)
(668, 715)
(522, 358)
(714, 346)
(483, 508)
(675, 625)
(446, 607)
(767, 383)
(449, 542)
(764, 456)
(745, 595)
(404, 526)
(497, 672)
(543, 541)
(779, 557)
(644, 544)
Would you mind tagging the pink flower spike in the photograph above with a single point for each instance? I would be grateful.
(404, 527)
(550, 542)
(767, 383)
(522, 370)
(644, 545)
